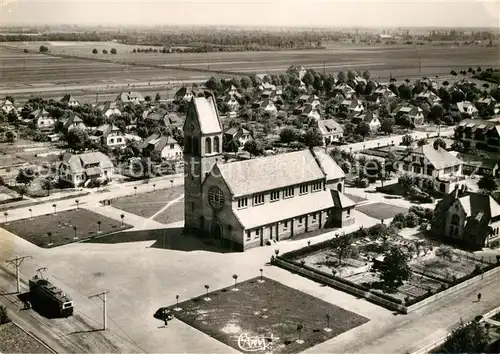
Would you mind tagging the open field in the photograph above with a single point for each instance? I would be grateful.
(61, 226)
(33, 72)
(148, 204)
(264, 308)
(381, 210)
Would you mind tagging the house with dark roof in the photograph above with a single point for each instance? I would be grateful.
(384, 91)
(77, 169)
(369, 117)
(414, 113)
(241, 134)
(428, 96)
(330, 130)
(352, 106)
(471, 219)
(161, 147)
(250, 203)
(184, 94)
(70, 100)
(438, 165)
(43, 120)
(110, 136)
(345, 89)
(479, 134)
(130, 97)
(109, 109)
(72, 121)
(478, 165)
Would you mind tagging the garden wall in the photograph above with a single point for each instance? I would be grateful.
(335, 283)
(452, 289)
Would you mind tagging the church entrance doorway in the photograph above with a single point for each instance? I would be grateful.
(215, 229)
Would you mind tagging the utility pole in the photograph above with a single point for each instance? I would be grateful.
(96, 97)
(17, 263)
(102, 296)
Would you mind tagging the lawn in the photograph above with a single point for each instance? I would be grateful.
(148, 204)
(60, 225)
(266, 310)
(173, 213)
(381, 210)
(14, 340)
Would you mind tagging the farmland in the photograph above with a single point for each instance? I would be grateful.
(84, 74)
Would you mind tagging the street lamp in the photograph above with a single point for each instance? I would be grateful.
(261, 271)
(154, 186)
(122, 216)
(54, 206)
(6, 215)
(135, 190)
(74, 237)
(77, 202)
(171, 183)
(99, 226)
(31, 213)
(50, 238)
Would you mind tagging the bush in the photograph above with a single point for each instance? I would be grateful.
(398, 224)
(361, 182)
(4, 316)
(411, 220)
(399, 218)
(94, 183)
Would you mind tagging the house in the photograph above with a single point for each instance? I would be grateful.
(161, 148)
(311, 112)
(109, 109)
(266, 86)
(267, 105)
(250, 203)
(6, 106)
(77, 169)
(384, 91)
(43, 121)
(172, 119)
(467, 108)
(232, 103)
(345, 89)
(70, 101)
(130, 98)
(331, 130)
(479, 134)
(110, 136)
(352, 107)
(414, 113)
(478, 165)
(471, 219)
(429, 97)
(438, 165)
(72, 122)
(241, 134)
(369, 117)
(233, 91)
(184, 94)
(486, 101)
(157, 116)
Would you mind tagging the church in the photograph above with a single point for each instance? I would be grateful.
(250, 203)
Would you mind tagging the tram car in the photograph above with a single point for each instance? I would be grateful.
(48, 299)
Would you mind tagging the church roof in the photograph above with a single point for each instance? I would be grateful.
(271, 172)
(207, 115)
(288, 208)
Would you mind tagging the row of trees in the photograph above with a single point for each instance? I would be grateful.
(105, 51)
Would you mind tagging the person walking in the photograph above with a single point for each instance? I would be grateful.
(478, 297)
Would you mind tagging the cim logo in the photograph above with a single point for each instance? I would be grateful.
(256, 343)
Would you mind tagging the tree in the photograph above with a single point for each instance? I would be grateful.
(439, 143)
(363, 129)
(387, 125)
(4, 316)
(25, 176)
(10, 137)
(344, 246)
(46, 185)
(104, 51)
(43, 49)
(407, 140)
(308, 78)
(233, 146)
(77, 138)
(391, 163)
(436, 113)
(341, 76)
(313, 137)
(157, 97)
(458, 146)
(351, 75)
(213, 84)
(466, 338)
(288, 134)
(487, 182)
(422, 142)
(95, 51)
(253, 148)
(113, 51)
(366, 75)
(394, 269)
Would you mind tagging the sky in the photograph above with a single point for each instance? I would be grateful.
(284, 13)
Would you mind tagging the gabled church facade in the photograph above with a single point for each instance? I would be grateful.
(249, 203)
